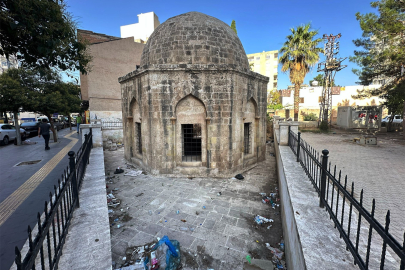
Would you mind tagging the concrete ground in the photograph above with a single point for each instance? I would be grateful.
(377, 169)
(215, 232)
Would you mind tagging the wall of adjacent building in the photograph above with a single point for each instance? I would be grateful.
(111, 60)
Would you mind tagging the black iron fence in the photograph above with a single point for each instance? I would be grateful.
(111, 124)
(52, 226)
(347, 212)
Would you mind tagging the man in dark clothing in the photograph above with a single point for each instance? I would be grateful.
(44, 131)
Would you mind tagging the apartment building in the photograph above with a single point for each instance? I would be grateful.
(265, 63)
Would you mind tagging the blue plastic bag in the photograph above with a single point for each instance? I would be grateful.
(173, 259)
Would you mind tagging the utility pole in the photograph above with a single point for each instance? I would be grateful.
(330, 66)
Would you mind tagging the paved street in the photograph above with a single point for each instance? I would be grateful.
(215, 232)
(379, 170)
(25, 188)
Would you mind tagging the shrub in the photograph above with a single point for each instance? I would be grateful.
(310, 117)
(324, 126)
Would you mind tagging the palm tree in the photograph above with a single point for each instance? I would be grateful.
(299, 54)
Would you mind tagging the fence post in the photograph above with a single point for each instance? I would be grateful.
(289, 132)
(323, 177)
(72, 166)
(298, 146)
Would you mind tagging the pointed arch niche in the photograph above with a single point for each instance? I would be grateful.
(191, 132)
(250, 128)
(135, 127)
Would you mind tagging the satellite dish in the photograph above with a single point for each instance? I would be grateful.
(314, 83)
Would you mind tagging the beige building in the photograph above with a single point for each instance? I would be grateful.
(265, 63)
(194, 107)
(112, 57)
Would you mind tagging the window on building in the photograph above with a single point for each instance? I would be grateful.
(138, 138)
(258, 58)
(251, 59)
(275, 77)
(268, 56)
(191, 135)
(275, 85)
(247, 137)
(301, 100)
(275, 55)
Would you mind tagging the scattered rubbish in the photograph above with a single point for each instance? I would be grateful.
(28, 142)
(248, 258)
(124, 258)
(110, 211)
(138, 195)
(183, 229)
(197, 213)
(203, 207)
(268, 227)
(233, 178)
(282, 245)
(119, 226)
(271, 154)
(118, 170)
(261, 220)
(184, 220)
(297, 212)
(110, 196)
(219, 193)
(150, 212)
(275, 251)
(115, 189)
(177, 212)
(191, 229)
(114, 203)
(116, 219)
(133, 173)
(262, 194)
(239, 177)
(266, 199)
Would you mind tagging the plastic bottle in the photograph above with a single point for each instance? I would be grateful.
(282, 245)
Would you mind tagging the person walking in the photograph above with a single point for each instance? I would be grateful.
(44, 131)
(78, 122)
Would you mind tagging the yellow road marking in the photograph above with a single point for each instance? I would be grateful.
(12, 202)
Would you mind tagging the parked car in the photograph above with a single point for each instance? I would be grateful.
(58, 124)
(8, 133)
(397, 119)
(30, 127)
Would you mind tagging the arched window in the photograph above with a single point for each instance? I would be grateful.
(190, 130)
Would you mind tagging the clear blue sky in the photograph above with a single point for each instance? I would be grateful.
(262, 24)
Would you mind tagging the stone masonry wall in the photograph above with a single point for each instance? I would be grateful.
(223, 94)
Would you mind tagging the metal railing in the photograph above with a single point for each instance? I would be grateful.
(111, 124)
(52, 226)
(335, 196)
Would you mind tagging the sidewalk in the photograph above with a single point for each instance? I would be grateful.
(215, 231)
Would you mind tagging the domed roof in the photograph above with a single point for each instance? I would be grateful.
(194, 38)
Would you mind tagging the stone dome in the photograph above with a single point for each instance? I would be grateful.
(194, 38)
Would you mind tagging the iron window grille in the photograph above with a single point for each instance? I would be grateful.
(138, 137)
(191, 135)
(246, 138)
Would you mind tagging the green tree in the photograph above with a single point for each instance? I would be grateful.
(53, 96)
(382, 54)
(299, 54)
(233, 26)
(273, 100)
(41, 34)
(318, 78)
(17, 91)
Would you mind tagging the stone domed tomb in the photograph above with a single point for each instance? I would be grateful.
(193, 107)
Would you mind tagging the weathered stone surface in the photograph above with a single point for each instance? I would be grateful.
(218, 92)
